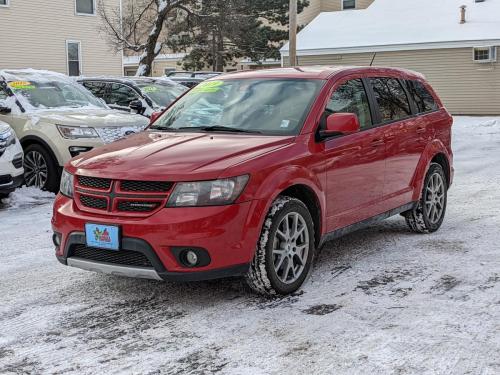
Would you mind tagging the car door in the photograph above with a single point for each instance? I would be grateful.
(403, 138)
(120, 96)
(355, 164)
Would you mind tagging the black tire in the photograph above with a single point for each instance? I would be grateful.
(422, 219)
(51, 182)
(262, 276)
(4, 195)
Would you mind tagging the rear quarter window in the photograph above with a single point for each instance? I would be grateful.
(391, 99)
(422, 97)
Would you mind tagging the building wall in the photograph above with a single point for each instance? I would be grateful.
(317, 6)
(33, 34)
(464, 86)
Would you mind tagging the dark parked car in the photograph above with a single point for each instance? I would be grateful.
(142, 95)
(191, 79)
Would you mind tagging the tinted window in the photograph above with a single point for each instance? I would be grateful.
(391, 98)
(122, 95)
(351, 98)
(423, 99)
(96, 88)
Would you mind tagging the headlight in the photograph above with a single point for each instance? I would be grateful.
(7, 138)
(207, 193)
(75, 132)
(67, 184)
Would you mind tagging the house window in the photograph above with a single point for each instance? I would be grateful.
(4, 3)
(85, 7)
(348, 4)
(74, 58)
(484, 54)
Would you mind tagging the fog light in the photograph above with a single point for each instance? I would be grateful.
(77, 150)
(191, 258)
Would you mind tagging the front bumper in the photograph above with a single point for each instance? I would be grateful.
(228, 233)
(16, 182)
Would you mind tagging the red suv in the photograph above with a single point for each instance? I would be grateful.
(249, 174)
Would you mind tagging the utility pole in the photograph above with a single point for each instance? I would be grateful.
(293, 33)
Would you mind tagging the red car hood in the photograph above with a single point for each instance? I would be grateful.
(174, 156)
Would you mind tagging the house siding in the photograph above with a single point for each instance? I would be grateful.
(465, 87)
(33, 34)
(317, 6)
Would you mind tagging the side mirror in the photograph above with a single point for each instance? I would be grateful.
(5, 110)
(341, 124)
(136, 105)
(154, 117)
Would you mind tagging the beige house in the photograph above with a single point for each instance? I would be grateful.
(455, 49)
(58, 35)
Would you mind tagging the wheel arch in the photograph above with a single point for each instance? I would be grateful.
(307, 196)
(435, 152)
(34, 140)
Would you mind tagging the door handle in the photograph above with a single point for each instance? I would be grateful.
(377, 142)
(421, 129)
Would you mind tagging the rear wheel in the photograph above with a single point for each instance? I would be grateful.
(285, 249)
(428, 215)
(40, 169)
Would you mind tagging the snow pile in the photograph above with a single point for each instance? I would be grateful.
(400, 23)
(27, 197)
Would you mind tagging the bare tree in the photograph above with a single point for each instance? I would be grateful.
(140, 27)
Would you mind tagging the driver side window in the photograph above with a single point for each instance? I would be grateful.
(351, 98)
(122, 95)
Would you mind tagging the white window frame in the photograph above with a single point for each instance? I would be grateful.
(492, 50)
(342, 5)
(80, 63)
(87, 14)
(6, 5)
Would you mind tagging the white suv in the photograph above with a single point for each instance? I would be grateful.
(56, 119)
(11, 161)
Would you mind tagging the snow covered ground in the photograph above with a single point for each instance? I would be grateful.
(380, 301)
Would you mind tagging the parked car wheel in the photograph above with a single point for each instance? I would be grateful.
(40, 169)
(428, 215)
(285, 249)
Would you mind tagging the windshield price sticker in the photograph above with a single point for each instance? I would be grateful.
(149, 89)
(21, 85)
(208, 87)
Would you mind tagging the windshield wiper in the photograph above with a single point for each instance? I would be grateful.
(219, 128)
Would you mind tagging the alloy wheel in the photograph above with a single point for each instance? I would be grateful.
(435, 194)
(35, 169)
(290, 247)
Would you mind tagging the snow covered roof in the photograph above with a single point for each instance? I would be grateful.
(392, 25)
(134, 60)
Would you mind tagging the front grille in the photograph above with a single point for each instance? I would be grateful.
(146, 186)
(94, 202)
(5, 179)
(137, 206)
(17, 162)
(121, 257)
(109, 135)
(94, 182)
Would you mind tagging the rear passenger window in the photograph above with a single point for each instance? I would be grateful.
(96, 88)
(423, 98)
(391, 99)
(351, 98)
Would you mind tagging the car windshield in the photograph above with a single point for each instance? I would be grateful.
(266, 106)
(162, 94)
(52, 93)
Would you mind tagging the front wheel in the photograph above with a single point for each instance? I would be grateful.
(285, 249)
(428, 214)
(40, 169)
